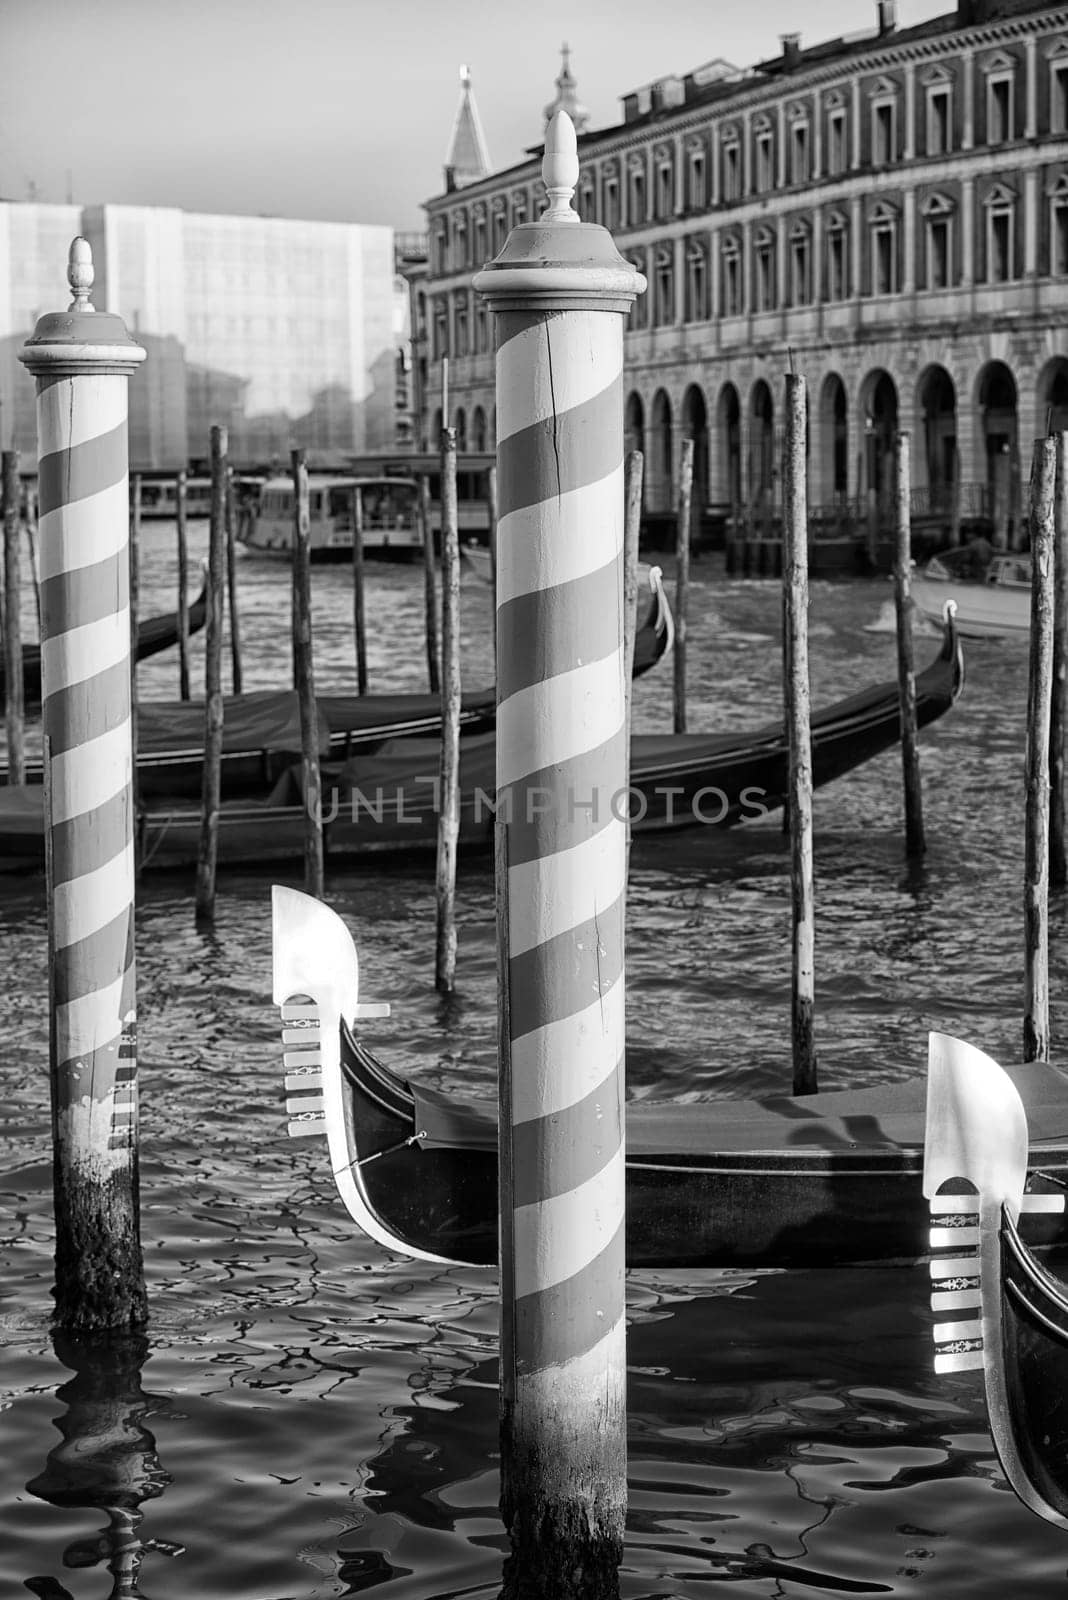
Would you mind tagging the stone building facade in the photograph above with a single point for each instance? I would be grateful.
(887, 211)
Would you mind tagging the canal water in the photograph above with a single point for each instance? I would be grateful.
(308, 1418)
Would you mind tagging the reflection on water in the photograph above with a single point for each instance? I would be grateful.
(106, 1461)
(327, 1418)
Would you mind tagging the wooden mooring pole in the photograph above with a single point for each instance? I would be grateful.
(181, 501)
(449, 807)
(1039, 695)
(915, 843)
(491, 512)
(795, 580)
(81, 360)
(359, 620)
(304, 678)
(231, 581)
(682, 581)
(561, 864)
(31, 549)
(211, 781)
(135, 586)
(430, 585)
(13, 685)
(1058, 843)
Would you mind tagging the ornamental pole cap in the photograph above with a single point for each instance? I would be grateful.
(80, 339)
(559, 255)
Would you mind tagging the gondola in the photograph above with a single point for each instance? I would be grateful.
(153, 635)
(261, 730)
(385, 802)
(1008, 1313)
(825, 1179)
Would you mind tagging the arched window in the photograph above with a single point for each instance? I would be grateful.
(938, 219)
(731, 303)
(665, 183)
(800, 264)
(938, 122)
(664, 285)
(883, 236)
(696, 175)
(1058, 227)
(639, 311)
(1000, 206)
(696, 308)
(837, 257)
(884, 131)
(764, 284)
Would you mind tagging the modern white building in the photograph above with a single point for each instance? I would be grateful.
(283, 330)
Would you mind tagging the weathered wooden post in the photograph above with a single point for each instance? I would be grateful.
(135, 587)
(1058, 844)
(211, 780)
(81, 360)
(430, 585)
(1039, 690)
(633, 469)
(560, 291)
(795, 581)
(304, 678)
(359, 621)
(915, 843)
(491, 512)
(13, 685)
(180, 510)
(231, 581)
(31, 549)
(682, 581)
(449, 808)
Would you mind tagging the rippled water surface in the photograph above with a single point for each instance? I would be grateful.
(309, 1418)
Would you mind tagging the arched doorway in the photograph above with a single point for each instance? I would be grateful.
(1053, 396)
(878, 415)
(729, 453)
(435, 431)
(938, 412)
(461, 429)
(761, 453)
(996, 396)
(634, 423)
(478, 430)
(695, 427)
(834, 441)
(658, 466)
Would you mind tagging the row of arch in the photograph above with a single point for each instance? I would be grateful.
(737, 446)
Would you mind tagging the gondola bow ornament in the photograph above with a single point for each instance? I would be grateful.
(1016, 1327)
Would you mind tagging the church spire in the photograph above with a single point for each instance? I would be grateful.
(567, 95)
(468, 158)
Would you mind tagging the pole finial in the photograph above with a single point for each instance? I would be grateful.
(560, 169)
(80, 274)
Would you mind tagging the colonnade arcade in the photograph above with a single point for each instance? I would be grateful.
(971, 433)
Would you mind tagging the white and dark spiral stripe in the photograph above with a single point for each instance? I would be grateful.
(85, 669)
(561, 762)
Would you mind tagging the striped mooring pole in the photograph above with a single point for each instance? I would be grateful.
(560, 291)
(82, 360)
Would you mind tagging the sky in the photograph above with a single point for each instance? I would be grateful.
(335, 109)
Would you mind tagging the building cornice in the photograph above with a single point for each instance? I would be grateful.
(754, 94)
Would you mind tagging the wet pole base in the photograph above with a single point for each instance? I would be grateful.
(100, 1282)
(557, 1554)
(564, 1505)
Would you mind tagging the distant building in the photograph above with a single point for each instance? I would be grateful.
(285, 331)
(888, 210)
